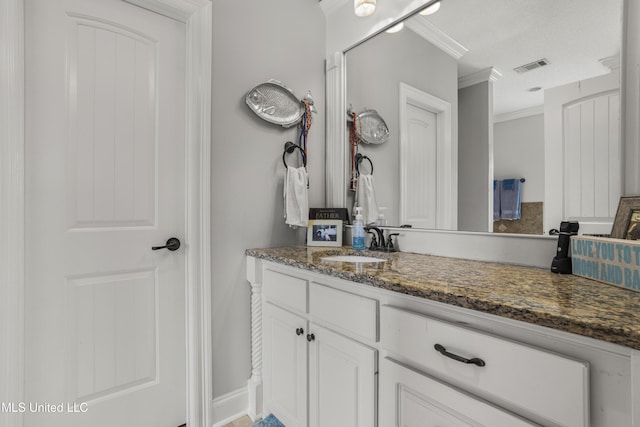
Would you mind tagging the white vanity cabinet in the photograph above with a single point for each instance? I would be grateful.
(306, 363)
(338, 353)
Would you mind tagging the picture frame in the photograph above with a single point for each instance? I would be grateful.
(324, 232)
(627, 221)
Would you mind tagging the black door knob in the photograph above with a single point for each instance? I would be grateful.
(173, 244)
(311, 337)
(299, 331)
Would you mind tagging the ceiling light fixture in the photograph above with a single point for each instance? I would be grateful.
(364, 7)
(431, 9)
(396, 28)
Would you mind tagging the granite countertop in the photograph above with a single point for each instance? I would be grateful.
(563, 302)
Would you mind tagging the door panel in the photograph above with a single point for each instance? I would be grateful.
(113, 98)
(421, 168)
(105, 315)
(592, 162)
(114, 329)
(411, 399)
(428, 161)
(342, 381)
(583, 154)
(285, 362)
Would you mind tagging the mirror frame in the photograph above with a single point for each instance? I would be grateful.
(345, 31)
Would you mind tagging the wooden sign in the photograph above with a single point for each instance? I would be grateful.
(612, 261)
(329, 213)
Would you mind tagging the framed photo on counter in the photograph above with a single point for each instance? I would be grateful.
(324, 232)
(627, 222)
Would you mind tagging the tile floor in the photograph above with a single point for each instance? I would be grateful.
(240, 422)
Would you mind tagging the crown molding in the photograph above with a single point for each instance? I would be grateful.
(425, 29)
(488, 74)
(519, 114)
(611, 62)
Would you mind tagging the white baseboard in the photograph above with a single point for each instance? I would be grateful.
(229, 407)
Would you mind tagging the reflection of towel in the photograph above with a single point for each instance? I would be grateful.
(510, 195)
(497, 186)
(366, 198)
(296, 201)
(270, 421)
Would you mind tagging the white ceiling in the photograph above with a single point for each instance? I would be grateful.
(572, 34)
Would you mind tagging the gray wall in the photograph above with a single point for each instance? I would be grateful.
(475, 156)
(374, 72)
(254, 41)
(518, 152)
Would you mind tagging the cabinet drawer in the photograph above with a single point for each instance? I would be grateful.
(523, 378)
(283, 289)
(344, 312)
(411, 399)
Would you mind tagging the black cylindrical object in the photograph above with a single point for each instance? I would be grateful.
(562, 261)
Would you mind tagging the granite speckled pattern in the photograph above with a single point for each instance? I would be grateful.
(563, 302)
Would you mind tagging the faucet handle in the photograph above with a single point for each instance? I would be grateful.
(390, 245)
(374, 240)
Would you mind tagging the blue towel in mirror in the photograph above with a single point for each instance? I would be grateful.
(269, 421)
(510, 196)
(497, 185)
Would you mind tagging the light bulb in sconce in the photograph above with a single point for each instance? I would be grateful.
(430, 10)
(364, 7)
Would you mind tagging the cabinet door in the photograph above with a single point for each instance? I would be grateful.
(285, 366)
(409, 398)
(342, 381)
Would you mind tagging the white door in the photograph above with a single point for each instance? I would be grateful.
(421, 168)
(592, 158)
(583, 153)
(342, 381)
(428, 161)
(105, 166)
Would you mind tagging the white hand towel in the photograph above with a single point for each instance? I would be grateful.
(296, 200)
(366, 198)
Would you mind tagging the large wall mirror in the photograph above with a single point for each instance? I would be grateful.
(528, 89)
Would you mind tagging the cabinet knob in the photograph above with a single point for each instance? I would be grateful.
(311, 337)
(299, 331)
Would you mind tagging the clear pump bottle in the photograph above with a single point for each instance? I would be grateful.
(358, 232)
(381, 221)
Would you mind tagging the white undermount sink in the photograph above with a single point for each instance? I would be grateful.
(352, 258)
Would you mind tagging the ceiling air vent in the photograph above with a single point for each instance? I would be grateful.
(532, 65)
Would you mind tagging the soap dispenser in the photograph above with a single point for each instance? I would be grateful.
(381, 221)
(358, 233)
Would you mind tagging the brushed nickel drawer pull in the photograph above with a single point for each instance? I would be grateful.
(475, 361)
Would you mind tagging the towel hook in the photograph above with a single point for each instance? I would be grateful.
(290, 147)
(359, 159)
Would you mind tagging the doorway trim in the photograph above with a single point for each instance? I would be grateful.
(447, 155)
(197, 17)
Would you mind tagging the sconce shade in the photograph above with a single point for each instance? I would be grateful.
(364, 7)
(430, 10)
(396, 28)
